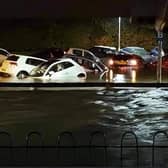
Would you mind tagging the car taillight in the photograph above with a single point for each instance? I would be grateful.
(110, 62)
(13, 63)
(133, 62)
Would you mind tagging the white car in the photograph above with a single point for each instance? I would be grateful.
(20, 65)
(63, 69)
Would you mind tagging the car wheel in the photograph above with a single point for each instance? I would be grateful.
(22, 75)
(81, 75)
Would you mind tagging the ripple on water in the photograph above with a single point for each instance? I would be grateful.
(144, 111)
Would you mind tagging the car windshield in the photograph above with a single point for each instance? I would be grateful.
(137, 51)
(40, 70)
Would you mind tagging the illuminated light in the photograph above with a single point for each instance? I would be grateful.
(119, 78)
(133, 62)
(133, 75)
(111, 62)
(107, 79)
(111, 75)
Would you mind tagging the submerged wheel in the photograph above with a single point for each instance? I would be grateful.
(81, 75)
(22, 75)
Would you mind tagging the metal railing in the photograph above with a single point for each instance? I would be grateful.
(124, 157)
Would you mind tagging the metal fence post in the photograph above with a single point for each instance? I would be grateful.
(28, 140)
(153, 145)
(137, 150)
(10, 144)
(105, 144)
(59, 143)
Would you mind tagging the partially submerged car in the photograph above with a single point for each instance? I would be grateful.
(19, 66)
(101, 51)
(164, 62)
(49, 53)
(59, 70)
(127, 60)
(94, 70)
(4, 54)
(139, 51)
(82, 52)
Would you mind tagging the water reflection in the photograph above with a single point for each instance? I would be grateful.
(121, 75)
(143, 111)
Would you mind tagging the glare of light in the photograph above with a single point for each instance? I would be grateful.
(133, 76)
(133, 62)
(109, 76)
(111, 62)
(119, 78)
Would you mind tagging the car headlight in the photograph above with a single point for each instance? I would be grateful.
(110, 62)
(133, 62)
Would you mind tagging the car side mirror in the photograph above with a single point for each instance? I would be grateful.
(51, 73)
(93, 66)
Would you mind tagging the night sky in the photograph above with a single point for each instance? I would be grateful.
(78, 8)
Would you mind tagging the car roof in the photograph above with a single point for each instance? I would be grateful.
(100, 64)
(102, 46)
(59, 59)
(27, 56)
(133, 47)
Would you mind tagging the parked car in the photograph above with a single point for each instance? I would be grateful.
(127, 60)
(20, 65)
(101, 51)
(63, 69)
(3, 55)
(93, 69)
(164, 63)
(139, 51)
(82, 52)
(49, 53)
(155, 52)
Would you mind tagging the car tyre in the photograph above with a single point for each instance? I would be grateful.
(22, 75)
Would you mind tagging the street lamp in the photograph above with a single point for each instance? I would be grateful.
(119, 32)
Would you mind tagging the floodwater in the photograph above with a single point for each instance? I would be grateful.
(143, 111)
(81, 111)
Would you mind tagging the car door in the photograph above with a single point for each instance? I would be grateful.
(61, 70)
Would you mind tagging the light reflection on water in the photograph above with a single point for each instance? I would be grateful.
(142, 111)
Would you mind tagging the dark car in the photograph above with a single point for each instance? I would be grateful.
(102, 51)
(49, 53)
(164, 63)
(127, 60)
(139, 51)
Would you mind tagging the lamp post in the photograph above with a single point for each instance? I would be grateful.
(119, 33)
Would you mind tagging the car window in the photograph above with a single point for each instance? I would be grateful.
(61, 66)
(34, 62)
(3, 52)
(90, 65)
(108, 51)
(88, 56)
(67, 64)
(77, 52)
(13, 58)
